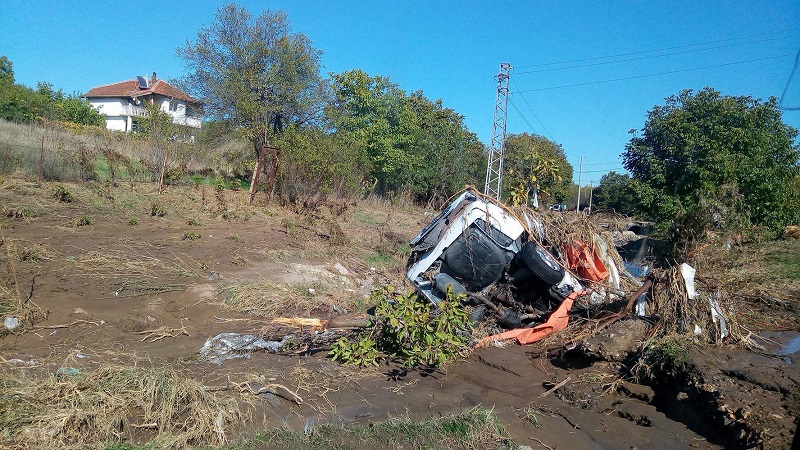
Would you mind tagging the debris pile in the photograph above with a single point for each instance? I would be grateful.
(533, 272)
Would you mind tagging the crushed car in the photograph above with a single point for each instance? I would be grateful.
(498, 259)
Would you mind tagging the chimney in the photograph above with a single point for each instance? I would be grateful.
(153, 80)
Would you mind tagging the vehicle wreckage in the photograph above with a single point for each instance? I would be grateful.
(503, 263)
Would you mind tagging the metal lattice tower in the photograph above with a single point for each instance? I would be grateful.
(494, 168)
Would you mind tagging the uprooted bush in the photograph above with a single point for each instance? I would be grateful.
(410, 330)
(112, 404)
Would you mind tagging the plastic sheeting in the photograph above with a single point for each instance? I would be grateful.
(226, 346)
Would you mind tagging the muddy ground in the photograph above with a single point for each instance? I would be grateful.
(125, 284)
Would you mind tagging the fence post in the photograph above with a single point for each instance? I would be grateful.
(163, 171)
(41, 161)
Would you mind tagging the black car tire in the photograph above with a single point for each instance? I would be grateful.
(542, 264)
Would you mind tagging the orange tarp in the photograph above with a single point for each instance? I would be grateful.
(556, 322)
(584, 261)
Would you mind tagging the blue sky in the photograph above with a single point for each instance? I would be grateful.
(452, 50)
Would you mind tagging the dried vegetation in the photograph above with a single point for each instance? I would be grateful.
(113, 404)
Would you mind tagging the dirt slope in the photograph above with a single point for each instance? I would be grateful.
(135, 288)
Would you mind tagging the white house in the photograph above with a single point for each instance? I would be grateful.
(123, 102)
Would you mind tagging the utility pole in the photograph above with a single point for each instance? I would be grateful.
(591, 194)
(494, 167)
(580, 172)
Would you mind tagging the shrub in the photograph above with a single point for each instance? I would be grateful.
(414, 331)
(83, 221)
(62, 194)
(191, 235)
(157, 209)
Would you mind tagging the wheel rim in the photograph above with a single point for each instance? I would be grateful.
(547, 258)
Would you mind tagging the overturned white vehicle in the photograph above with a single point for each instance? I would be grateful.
(472, 245)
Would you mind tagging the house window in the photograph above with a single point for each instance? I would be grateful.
(173, 106)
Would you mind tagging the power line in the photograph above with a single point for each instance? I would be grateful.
(653, 74)
(520, 114)
(602, 171)
(655, 50)
(788, 82)
(602, 164)
(649, 57)
(532, 112)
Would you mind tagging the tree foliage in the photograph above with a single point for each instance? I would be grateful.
(19, 103)
(616, 192)
(254, 73)
(410, 143)
(708, 160)
(6, 71)
(156, 124)
(535, 164)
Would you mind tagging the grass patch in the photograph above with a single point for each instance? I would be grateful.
(787, 258)
(364, 218)
(531, 414)
(191, 235)
(133, 265)
(20, 212)
(157, 209)
(113, 404)
(265, 298)
(12, 303)
(82, 221)
(62, 194)
(26, 251)
(381, 260)
(472, 429)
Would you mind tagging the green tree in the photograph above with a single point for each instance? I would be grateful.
(411, 143)
(618, 192)
(156, 123)
(254, 73)
(22, 104)
(534, 165)
(6, 71)
(77, 110)
(708, 160)
(365, 113)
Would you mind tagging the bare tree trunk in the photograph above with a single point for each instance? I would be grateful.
(275, 156)
(163, 172)
(256, 173)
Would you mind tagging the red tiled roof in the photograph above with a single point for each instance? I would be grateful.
(130, 88)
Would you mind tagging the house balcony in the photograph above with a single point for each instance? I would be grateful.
(132, 110)
(139, 111)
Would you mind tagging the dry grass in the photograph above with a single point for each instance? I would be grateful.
(14, 303)
(270, 299)
(475, 428)
(22, 250)
(119, 265)
(113, 404)
(131, 264)
(769, 268)
(680, 315)
(314, 384)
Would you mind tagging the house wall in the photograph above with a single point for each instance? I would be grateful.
(108, 106)
(119, 110)
(116, 123)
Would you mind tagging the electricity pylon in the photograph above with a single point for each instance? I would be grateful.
(494, 167)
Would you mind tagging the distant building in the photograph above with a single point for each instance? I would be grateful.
(123, 102)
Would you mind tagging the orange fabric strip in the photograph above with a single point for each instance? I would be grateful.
(556, 322)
